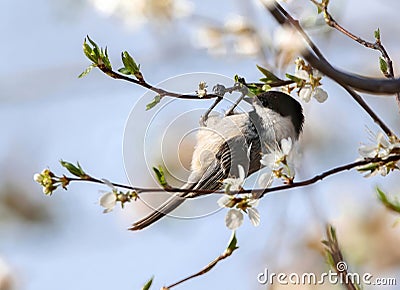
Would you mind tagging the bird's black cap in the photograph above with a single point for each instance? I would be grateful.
(285, 105)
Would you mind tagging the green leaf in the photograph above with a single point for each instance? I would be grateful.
(153, 103)
(88, 51)
(160, 176)
(269, 75)
(130, 63)
(294, 78)
(393, 205)
(377, 34)
(105, 59)
(124, 71)
(148, 284)
(266, 87)
(383, 65)
(232, 246)
(86, 71)
(74, 170)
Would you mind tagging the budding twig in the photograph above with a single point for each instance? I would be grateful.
(377, 45)
(320, 63)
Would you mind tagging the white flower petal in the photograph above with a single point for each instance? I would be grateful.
(302, 74)
(108, 201)
(38, 178)
(108, 183)
(265, 180)
(233, 219)
(254, 216)
(224, 200)
(286, 145)
(367, 151)
(320, 95)
(381, 140)
(305, 94)
(269, 160)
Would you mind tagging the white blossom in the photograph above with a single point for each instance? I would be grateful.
(234, 219)
(265, 180)
(254, 216)
(320, 95)
(273, 159)
(302, 74)
(202, 91)
(108, 200)
(235, 184)
(244, 203)
(382, 148)
(307, 92)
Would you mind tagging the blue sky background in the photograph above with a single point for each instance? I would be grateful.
(47, 113)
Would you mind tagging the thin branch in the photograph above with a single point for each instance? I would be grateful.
(377, 45)
(228, 252)
(162, 92)
(362, 83)
(283, 17)
(258, 192)
(336, 260)
(148, 86)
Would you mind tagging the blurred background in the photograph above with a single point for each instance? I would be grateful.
(47, 113)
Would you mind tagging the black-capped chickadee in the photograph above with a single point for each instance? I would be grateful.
(238, 139)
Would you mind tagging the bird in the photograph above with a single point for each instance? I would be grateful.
(223, 143)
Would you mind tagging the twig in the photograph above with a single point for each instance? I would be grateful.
(336, 260)
(162, 92)
(148, 86)
(228, 251)
(283, 17)
(377, 45)
(259, 192)
(366, 84)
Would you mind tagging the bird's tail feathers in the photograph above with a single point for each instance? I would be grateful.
(168, 206)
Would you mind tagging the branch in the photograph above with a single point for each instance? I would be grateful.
(228, 251)
(362, 83)
(283, 17)
(377, 45)
(336, 260)
(64, 181)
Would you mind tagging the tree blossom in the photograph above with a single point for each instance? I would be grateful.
(383, 148)
(235, 184)
(244, 203)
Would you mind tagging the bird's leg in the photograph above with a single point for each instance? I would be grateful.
(220, 91)
(243, 91)
(204, 118)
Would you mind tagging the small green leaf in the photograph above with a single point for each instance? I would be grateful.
(124, 71)
(294, 78)
(105, 59)
(86, 71)
(269, 75)
(153, 103)
(74, 170)
(232, 246)
(266, 87)
(148, 284)
(377, 34)
(383, 65)
(160, 176)
(393, 205)
(130, 63)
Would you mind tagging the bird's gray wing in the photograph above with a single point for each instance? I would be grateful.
(240, 150)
